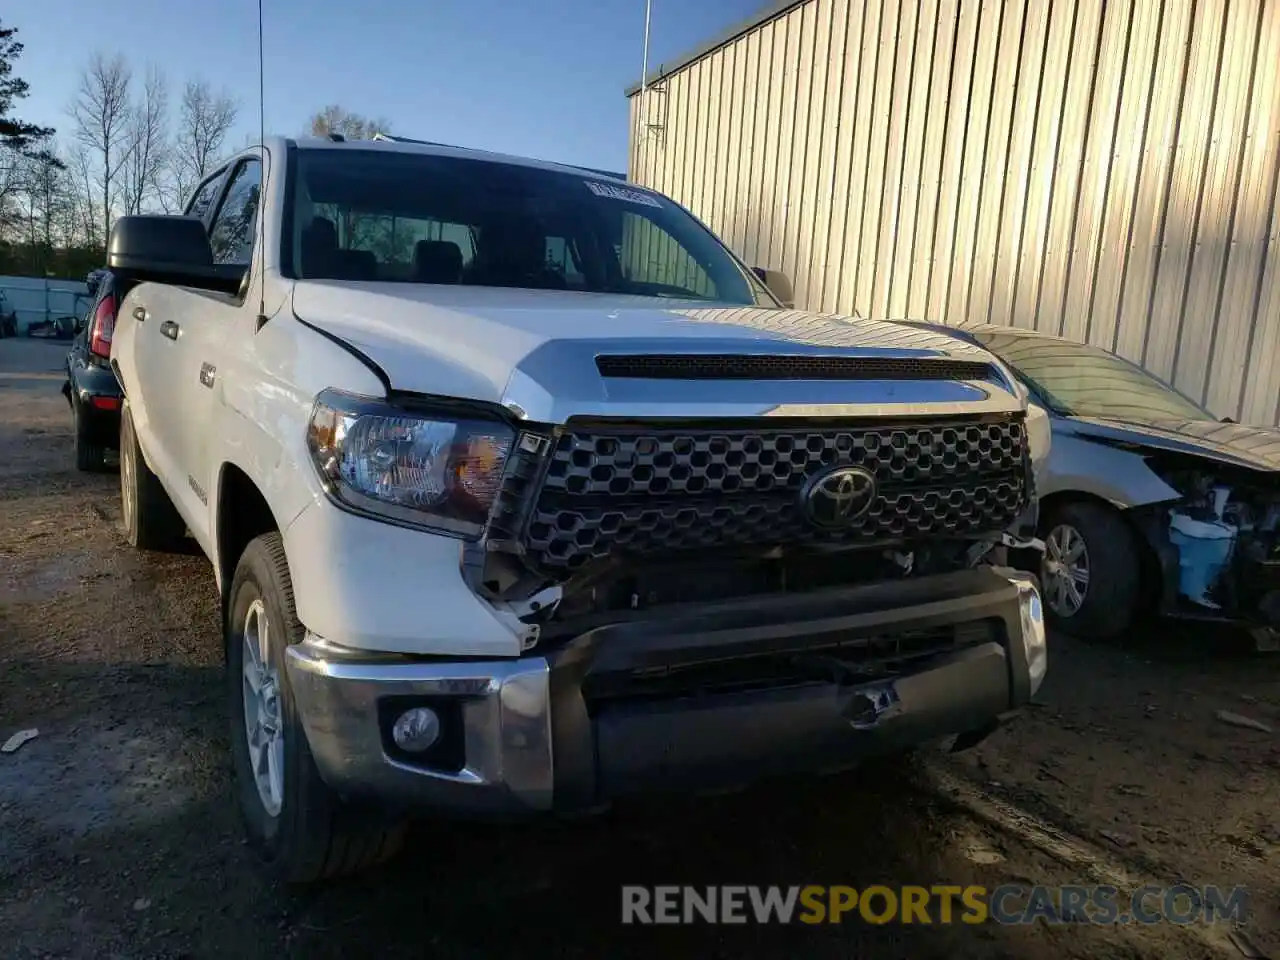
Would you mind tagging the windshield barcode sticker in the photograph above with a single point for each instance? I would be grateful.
(621, 193)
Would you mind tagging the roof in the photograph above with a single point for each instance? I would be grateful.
(776, 8)
(407, 145)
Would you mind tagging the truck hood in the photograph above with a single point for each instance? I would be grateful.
(1236, 444)
(480, 342)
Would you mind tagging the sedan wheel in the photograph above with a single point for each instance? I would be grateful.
(1091, 570)
(90, 457)
(1066, 570)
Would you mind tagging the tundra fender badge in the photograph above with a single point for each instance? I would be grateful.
(838, 497)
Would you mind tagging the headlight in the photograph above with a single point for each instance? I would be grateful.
(435, 470)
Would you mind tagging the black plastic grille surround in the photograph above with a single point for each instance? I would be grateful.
(637, 490)
(891, 653)
(775, 367)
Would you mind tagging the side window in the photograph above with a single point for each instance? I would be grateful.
(204, 197)
(232, 232)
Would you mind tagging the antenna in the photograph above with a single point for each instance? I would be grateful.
(262, 187)
(641, 120)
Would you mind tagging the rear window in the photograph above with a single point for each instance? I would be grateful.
(415, 218)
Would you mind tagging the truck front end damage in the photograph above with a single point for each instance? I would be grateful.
(722, 565)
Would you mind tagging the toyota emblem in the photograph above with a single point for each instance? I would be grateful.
(839, 497)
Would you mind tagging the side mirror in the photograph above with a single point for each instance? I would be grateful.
(779, 284)
(157, 248)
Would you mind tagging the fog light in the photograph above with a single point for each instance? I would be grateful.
(1034, 639)
(416, 730)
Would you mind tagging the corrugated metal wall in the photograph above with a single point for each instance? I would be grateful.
(1102, 170)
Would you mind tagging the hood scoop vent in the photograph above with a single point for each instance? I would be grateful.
(725, 366)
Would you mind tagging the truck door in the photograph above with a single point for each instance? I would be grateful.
(206, 322)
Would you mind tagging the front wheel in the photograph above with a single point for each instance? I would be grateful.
(298, 824)
(1091, 574)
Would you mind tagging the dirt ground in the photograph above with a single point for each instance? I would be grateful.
(118, 837)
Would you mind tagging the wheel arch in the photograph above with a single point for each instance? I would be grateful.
(242, 513)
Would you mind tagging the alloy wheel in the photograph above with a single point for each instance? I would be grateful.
(263, 724)
(1066, 570)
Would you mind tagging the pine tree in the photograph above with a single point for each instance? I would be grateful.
(15, 133)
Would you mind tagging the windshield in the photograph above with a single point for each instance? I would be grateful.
(1075, 379)
(417, 218)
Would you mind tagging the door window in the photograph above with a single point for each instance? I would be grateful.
(232, 233)
(204, 197)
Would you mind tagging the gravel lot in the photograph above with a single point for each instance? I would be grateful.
(118, 837)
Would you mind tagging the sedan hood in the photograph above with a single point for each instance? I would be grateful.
(1237, 444)
(476, 342)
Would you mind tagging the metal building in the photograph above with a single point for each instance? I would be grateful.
(1101, 169)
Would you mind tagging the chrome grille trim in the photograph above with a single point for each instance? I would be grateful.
(605, 488)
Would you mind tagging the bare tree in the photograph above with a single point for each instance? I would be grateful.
(205, 119)
(11, 166)
(46, 187)
(147, 144)
(100, 112)
(84, 213)
(353, 126)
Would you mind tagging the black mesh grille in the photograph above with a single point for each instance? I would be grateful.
(773, 367)
(642, 491)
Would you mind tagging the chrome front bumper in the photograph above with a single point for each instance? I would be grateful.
(505, 717)
(529, 741)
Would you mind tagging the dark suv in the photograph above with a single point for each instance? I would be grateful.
(91, 387)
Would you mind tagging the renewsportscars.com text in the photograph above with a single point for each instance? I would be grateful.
(936, 904)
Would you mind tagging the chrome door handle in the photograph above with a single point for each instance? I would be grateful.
(169, 329)
(140, 314)
(206, 374)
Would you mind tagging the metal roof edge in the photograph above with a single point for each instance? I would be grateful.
(605, 173)
(380, 137)
(775, 9)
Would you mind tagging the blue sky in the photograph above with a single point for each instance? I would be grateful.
(543, 79)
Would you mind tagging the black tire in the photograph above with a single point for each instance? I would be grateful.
(90, 457)
(151, 522)
(1113, 596)
(314, 835)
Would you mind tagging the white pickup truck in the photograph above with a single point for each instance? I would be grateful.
(523, 494)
